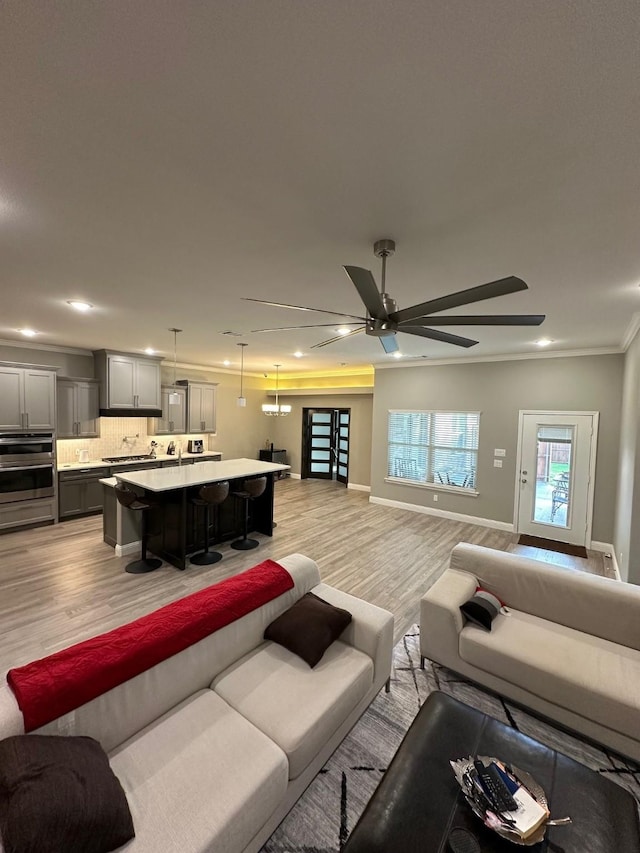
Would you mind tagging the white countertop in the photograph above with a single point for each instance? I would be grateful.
(161, 457)
(183, 476)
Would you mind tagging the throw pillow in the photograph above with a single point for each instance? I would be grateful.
(59, 794)
(308, 628)
(482, 608)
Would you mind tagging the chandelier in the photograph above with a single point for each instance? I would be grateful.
(274, 409)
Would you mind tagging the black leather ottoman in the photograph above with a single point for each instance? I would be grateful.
(418, 800)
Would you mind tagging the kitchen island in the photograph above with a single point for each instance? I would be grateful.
(175, 528)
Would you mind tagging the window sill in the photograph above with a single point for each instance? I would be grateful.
(436, 487)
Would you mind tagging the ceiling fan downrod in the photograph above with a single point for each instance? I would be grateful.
(384, 249)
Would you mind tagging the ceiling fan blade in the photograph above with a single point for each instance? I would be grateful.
(480, 320)
(366, 286)
(389, 344)
(338, 338)
(301, 308)
(293, 328)
(502, 287)
(435, 335)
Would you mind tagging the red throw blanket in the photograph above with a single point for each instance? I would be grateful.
(48, 688)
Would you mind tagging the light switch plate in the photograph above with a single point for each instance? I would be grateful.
(499, 451)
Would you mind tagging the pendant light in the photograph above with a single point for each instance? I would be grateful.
(174, 397)
(241, 400)
(273, 409)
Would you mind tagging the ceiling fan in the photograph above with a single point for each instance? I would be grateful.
(384, 320)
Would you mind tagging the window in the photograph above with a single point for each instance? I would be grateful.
(434, 447)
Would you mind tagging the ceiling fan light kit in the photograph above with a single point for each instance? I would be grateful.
(384, 320)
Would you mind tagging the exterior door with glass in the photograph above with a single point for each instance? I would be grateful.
(325, 444)
(556, 467)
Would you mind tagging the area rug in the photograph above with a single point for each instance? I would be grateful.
(323, 817)
(552, 545)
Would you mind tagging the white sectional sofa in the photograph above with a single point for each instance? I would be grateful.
(215, 744)
(568, 648)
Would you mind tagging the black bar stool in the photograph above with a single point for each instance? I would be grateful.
(251, 489)
(210, 497)
(129, 499)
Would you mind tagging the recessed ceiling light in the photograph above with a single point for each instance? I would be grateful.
(544, 342)
(28, 333)
(79, 306)
(343, 330)
(298, 354)
(397, 354)
(150, 351)
(226, 362)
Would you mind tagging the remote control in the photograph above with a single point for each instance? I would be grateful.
(495, 788)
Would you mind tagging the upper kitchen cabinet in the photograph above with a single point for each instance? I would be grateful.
(78, 408)
(27, 398)
(201, 405)
(129, 385)
(174, 415)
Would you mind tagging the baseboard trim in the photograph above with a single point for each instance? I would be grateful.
(294, 476)
(358, 487)
(442, 513)
(607, 548)
(129, 548)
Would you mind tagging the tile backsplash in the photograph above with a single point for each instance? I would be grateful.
(122, 437)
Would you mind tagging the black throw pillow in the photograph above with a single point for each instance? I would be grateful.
(308, 628)
(58, 795)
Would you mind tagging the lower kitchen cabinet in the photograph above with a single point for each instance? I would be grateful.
(80, 491)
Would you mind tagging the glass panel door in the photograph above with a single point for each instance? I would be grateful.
(342, 445)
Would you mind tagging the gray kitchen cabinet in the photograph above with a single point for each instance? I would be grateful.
(27, 398)
(80, 491)
(78, 408)
(201, 406)
(173, 463)
(174, 415)
(127, 382)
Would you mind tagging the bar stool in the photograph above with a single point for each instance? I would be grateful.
(251, 490)
(210, 497)
(129, 499)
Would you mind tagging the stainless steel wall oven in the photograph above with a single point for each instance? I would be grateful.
(27, 466)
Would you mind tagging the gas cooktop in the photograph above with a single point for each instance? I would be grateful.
(128, 458)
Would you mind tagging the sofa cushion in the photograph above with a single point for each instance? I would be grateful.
(579, 672)
(308, 627)
(59, 793)
(200, 778)
(297, 707)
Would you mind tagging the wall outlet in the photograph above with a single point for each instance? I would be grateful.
(435, 498)
(497, 463)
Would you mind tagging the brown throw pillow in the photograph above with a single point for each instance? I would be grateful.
(309, 627)
(59, 794)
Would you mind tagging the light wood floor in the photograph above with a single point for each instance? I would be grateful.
(62, 584)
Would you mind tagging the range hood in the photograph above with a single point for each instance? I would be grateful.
(130, 413)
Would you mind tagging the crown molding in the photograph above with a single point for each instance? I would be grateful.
(45, 347)
(630, 332)
(428, 362)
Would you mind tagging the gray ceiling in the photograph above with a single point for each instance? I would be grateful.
(164, 159)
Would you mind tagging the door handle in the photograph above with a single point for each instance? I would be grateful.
(26, 417)
(523, 481)
(170, 426)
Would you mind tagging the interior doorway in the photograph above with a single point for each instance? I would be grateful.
(325, 444)
(555, 479)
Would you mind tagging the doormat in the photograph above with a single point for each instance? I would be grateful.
(552, 545)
